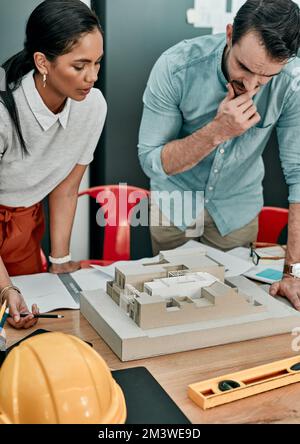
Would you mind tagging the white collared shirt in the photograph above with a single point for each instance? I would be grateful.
(56, 143)
(42, 113)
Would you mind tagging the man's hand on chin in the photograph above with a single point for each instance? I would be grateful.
(288, 287)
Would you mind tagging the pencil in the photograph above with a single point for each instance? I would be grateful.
(2, 311)
(41, 316)
(4, 317)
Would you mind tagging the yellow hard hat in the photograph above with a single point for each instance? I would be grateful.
(56, 378)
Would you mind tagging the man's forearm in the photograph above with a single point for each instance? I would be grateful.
(62, 213)
(181, 155)
(293, 246)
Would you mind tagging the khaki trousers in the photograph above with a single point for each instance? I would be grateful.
(170, 237)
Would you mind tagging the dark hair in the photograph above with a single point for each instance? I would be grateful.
(276, 21)
(53, 28)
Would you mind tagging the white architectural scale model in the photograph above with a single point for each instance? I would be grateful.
(181, 303)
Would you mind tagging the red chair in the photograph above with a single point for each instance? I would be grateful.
(117, 232)
(44, 262)
(271, 222)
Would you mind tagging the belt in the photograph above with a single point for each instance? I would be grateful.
(9, 218)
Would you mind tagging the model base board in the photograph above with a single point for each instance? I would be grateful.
(130, 342)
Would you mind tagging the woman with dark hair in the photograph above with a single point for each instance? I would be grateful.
(51, 119)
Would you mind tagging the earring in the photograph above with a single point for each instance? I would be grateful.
(44, 80)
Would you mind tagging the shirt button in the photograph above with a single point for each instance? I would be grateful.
(222, 151)
(216, 171)
(211, 188)
(206, 200)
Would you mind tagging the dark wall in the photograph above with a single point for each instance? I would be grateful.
(13, 17)
(136, 33)
(275, 188)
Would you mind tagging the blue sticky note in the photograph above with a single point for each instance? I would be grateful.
(271, 274)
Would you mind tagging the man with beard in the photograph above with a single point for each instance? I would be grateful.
(210, 106)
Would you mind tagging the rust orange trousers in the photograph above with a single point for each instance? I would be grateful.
(21, 233)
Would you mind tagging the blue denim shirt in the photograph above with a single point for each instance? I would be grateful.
(184, 91)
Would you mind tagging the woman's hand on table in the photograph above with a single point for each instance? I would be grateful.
(69, 267)
(17, 305)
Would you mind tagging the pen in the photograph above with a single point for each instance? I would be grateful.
(41, 316)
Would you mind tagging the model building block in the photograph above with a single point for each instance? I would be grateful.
(185, 299)
(179, 303)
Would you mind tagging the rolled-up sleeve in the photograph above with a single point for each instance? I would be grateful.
(288, 132)
(162, 118)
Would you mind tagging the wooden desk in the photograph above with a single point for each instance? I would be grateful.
(175, 372)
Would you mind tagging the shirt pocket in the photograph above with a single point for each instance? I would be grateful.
(253, 141)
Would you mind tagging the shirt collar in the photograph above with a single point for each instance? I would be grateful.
(42, 113)
(220, 53)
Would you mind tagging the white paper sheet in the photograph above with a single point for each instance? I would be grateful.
(233, 266)
(49, 293)
(109, 270)
(90, 279)
(46, 290)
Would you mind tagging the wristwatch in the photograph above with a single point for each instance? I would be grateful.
(292, 270)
